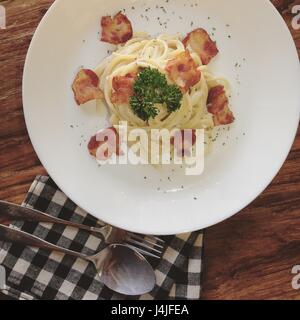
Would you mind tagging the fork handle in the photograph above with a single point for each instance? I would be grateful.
(16, 212)
(17, 236)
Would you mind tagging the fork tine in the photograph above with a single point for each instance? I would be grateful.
(158, 239)
(142, 239)
(146, 253)
(141, 244)
(155, 239)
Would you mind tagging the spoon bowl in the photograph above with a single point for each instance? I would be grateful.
(124, 270)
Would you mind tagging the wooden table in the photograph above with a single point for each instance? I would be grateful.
(249, 256)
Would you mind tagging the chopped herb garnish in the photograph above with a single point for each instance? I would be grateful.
(150, 88)
(163, 9)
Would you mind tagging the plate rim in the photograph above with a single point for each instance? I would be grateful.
(140, 229)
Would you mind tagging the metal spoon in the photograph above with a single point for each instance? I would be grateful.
(119, 267)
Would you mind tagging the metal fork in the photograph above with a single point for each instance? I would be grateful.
(147, 245)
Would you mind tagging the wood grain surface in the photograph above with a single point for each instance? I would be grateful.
(249, 256)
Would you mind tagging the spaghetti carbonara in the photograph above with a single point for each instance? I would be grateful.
(155, 83)
(141, 52)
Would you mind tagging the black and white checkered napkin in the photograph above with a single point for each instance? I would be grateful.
(39, 274)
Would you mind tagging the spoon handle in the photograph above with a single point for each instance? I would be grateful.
(12, 235)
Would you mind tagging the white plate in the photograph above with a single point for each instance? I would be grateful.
(244, 160)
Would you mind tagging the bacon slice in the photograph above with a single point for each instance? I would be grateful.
(93, 146)
(123, 88)
(116, 30)
(200, 41)
(86, 86)
(218, 105)
(183, 142)
(104, 144)
(183, 71)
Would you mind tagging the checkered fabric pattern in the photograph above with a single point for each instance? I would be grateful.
(39, 274)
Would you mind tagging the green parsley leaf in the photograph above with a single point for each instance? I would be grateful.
(150, 88)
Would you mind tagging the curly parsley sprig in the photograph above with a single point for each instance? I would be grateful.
(150, 88)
